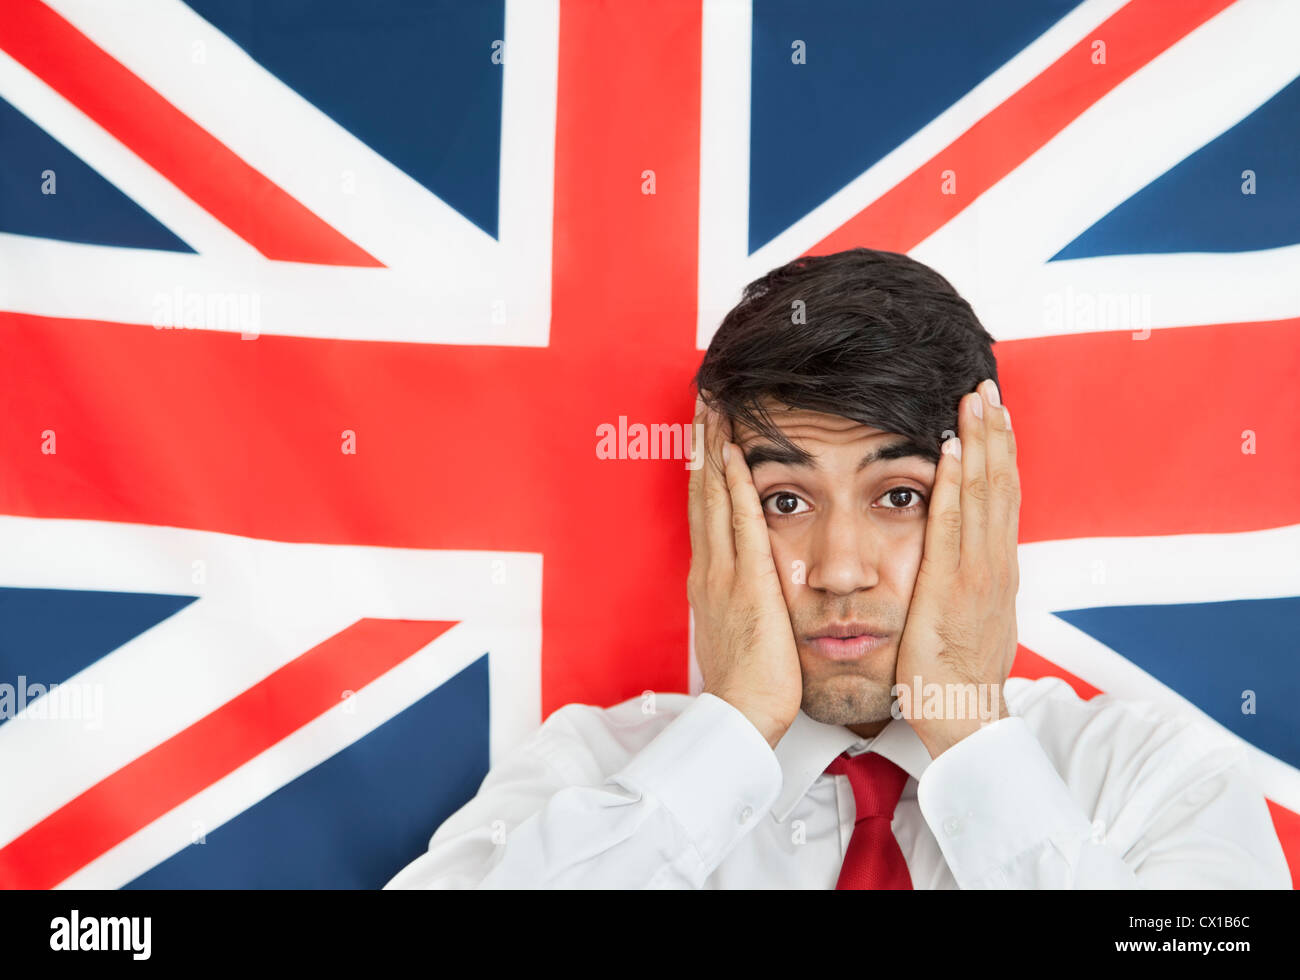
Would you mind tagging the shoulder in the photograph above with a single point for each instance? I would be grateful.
(1106, 745)
(1168, 789)
(586, 741)
(1050, 704)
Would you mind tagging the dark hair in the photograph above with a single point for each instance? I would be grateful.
(887, 342)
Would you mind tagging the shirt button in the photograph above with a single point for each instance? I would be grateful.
(953, 826)
(1098, 831)
(746, 813)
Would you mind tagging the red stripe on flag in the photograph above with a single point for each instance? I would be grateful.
(202, 430)
(210, 749)
(1120, 436)
(1002, 140)
(1031, 666)
(1287, 825)
(624, 298)
(199, 164)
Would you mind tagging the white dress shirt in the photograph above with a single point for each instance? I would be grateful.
(684, 792)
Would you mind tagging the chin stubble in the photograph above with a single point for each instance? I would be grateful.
(838, 703)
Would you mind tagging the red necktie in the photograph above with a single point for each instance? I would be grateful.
(874, 859)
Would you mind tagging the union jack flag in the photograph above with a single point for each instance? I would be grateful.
(312, 314)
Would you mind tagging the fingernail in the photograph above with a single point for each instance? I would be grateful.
(977, 406)
(995, 397)
(1007, 412)
(726, 453)
(952, 447)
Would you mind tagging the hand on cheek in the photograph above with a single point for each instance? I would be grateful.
(744, 642)
(961, 622)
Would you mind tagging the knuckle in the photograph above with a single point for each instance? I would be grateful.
(1006, 484)
(950, 521)
(978, 488)
(739, 521)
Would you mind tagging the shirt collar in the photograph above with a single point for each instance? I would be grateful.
(808, 747)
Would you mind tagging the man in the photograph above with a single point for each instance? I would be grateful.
(853, 581)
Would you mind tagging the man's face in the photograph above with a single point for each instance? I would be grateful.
(847, 533)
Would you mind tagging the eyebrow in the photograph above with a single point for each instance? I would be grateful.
(766, 452)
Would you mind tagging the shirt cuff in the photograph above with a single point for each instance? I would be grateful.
(712, 770)
(994, 796)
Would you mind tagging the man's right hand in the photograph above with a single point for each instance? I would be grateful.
(744, 643)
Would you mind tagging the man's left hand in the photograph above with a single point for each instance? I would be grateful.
(961, 623)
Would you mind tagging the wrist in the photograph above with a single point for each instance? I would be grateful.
(769, 725)
(939, 735)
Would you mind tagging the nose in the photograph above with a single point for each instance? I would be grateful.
(845, 552)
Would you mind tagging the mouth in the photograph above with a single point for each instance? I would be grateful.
(847, 641)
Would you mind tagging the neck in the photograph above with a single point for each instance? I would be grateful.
(868, 729)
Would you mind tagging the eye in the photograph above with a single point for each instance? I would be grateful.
(897, 494)
(784, 504)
